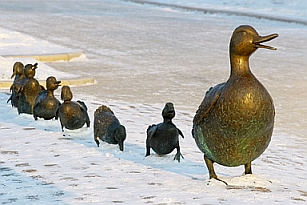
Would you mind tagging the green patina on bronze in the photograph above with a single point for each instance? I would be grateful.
(234, 123)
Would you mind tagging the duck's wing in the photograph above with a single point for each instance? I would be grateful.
(180, 133)
(42, 95)
(208, 103)
(151, 130)
(82, 105)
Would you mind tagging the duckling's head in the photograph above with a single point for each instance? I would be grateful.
(30, 70)
(245, 40)
(168, 111)
(52, 83)
(18, 69)
(66, 94)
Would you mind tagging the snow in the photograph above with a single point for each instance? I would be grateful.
(41, 164)
(282, 10)
(69, 169)
(17, 44)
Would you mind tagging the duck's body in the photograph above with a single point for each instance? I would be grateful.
(29, 91)
(19, 81)
(73, 115)
(234, 123)
(108, 128)
(163, 138)
(46, 105)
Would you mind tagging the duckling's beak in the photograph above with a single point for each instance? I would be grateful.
(260, 39)
(14, 73)
(57, 83)
(34, 66)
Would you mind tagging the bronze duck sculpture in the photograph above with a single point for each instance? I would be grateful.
(108, 128)
(234, 123)
(29, 90)
(19, 81)
(46, 105)
(163, 138)
(73, 115)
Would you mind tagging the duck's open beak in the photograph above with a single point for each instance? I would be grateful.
(260, 39)
(57, 83)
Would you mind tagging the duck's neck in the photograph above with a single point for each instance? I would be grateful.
(50, 93)
(239, 66)
(167, 120)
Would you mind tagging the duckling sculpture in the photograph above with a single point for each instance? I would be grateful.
(234, 123)
(46, 105)
(29, 91)
(108, 128)
(19, 81)
(163, 137)
(73, 115)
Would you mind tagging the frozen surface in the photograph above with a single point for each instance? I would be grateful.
(16, 43)
(281, 10)
(42, 73)
(141, 57)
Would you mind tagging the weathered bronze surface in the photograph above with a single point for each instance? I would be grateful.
(46, 105)
(234, 123)
(73, 115)
(29, 90)
(19, 81)
(163, 137)
(108, 128)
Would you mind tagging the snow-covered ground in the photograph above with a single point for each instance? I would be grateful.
(17, 44)
(41, 165)
(281, 10)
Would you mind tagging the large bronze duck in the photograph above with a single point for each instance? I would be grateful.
(29, 91)
(163, 138)
(73, 115)
(234, 123)
(108, 128)
(19, 81)
(46, 105)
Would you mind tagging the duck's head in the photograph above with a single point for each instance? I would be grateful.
(245, 40)
(52, 83)
(30, 70)
(168, 111)
(66, 94)
(18, 69)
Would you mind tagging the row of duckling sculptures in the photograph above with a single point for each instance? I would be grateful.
(234, 123)
(32, 98)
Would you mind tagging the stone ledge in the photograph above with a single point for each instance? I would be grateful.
(49, 57)
(76, 81)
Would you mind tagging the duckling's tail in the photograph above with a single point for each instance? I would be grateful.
(102, 108)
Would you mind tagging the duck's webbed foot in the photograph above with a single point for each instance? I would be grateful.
(248, 168)
(210, 167)
(97, 141)
(178, 155)
(147, 151)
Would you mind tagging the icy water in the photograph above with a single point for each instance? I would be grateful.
(143, 56)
